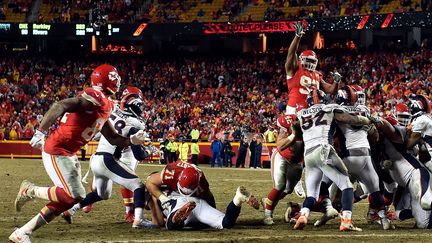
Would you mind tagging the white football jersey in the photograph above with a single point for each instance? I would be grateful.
(423, 125)
(317, 123)
(355, 136)
(122, 124)
(403, 162)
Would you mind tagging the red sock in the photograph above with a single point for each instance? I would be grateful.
(58, 194)
(273, 198)
(127, 197)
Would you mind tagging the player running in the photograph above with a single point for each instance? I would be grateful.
(107, 164)
(83, 116)
(317, 123)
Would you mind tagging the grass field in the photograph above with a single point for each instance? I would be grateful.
(105, 223)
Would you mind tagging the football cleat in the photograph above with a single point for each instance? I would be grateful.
(88, 208)
(301, 223)
(263, 202)
(244, 196)
(143, 224)
(67, 216)
(386, 224)
(181, 214)
(328, 215)
(268, 219)
(292, 213)
(18, 236)
(347, 225)
(129, 216)
(23, 197)
(299, 191)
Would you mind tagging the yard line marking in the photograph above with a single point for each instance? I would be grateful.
(303, 236)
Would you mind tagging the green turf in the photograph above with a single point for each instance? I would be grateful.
(105, 223)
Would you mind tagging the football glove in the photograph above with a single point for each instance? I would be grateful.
(299, 29)
(138, 138)
(38, 140)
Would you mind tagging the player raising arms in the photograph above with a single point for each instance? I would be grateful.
(302, 75)
(83, 116)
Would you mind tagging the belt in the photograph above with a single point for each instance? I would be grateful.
(357, 152)
(103, 153)
(310, 150)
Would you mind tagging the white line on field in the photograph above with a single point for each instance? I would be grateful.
(342, 235)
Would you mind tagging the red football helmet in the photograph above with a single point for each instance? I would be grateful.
(133, 90)
(107, 78)
(133, 105)
(285, 121)
(391, 119)
(403, 116)
(309, 60)
(188, 181)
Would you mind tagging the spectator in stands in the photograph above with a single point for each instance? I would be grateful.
(216, 149)
(200, 13)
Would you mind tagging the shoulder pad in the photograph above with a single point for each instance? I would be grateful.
(96, 97)
(133, 122)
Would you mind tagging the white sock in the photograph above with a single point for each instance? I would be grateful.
(346, 214)
(128, 209)
(75, 208)
(237, 201)
(305, 212)
(34, 223)
(268, 212)
(327, 204)
(139, 213)
(40, 192)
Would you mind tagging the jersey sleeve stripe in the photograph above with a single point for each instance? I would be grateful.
(91, 99)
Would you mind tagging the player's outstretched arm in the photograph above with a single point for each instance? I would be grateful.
(292, 59)
(347, 118)
(389, 131)
(59, 108)
(331, 88)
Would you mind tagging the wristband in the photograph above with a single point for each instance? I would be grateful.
(363, 120)
(43, 132)
(162, 198)
(291, 137)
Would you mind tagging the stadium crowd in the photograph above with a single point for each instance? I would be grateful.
(233, 94)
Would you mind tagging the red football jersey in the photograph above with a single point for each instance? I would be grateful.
(78, 128)
(171, 173)
(300, 85)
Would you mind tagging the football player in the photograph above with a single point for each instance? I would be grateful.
(421, 128)
(286, 164)
(117, 164)
(405, 169)
(317, 123)
(192, 211)
(355, 151)
(83, 117)
(180, 177)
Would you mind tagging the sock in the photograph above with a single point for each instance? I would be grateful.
(347, 199)
(237, 201)
(309, 203)
(139, 211)
(41, 192)
(127, 198)
(376, 200)
(405, 214)
(35, 223)
(139, 197)
(305, 212)
(382, 214)
(272, 199)
(268, 212)
(75, 208)
(56, 194)
(346, 214)
(231, 215)
(90, 198)
(327, 204)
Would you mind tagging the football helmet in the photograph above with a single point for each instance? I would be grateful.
(346, 96)
(188, 181)
(308, 60)
(132, 105)
(316, 97)
(419, 104)
(107, 78)
(361, 96)
(285, 121)
(133, 90)
(403, 116)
